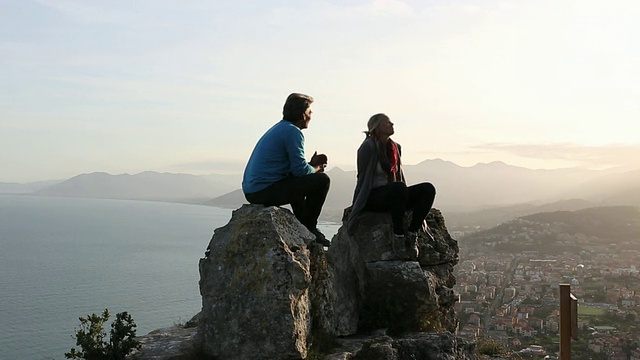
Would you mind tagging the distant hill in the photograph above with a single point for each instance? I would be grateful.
(339, 197)
(232, 181)
(614, 189)
(497, 184)
(480, 195)
(232, 200)
(143, 186)
(559, 231)
(18, 188)
(494, 216)
(605, 222)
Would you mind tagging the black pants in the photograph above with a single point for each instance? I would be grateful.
(397, 198)
(306, 194)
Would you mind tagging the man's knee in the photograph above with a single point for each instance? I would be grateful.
(322, 180)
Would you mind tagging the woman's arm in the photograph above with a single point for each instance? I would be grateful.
(365, 152)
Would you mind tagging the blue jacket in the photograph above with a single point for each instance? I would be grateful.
(279, 153)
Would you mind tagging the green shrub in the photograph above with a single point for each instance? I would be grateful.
(488, 346)
(91, 338)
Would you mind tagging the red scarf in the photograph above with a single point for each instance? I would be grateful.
(389, 158)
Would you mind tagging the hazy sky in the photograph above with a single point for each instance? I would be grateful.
(189, 86)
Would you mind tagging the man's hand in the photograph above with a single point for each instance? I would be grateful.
(318, 161)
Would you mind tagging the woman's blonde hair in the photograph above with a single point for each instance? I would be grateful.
(373, 123)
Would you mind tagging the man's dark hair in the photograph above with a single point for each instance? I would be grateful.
(295, 106)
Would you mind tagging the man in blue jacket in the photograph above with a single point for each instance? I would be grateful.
(278, 173)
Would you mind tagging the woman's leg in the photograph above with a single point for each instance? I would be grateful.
(392, 198)
(421, 197)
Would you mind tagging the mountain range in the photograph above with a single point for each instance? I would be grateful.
(146, 185)
(591, 229)
(480, 195)
(18, 188)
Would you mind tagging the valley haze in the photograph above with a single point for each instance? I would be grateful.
(482, 195)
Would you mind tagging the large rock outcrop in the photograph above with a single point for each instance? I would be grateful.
(378, 288)
(270, 292)
(254, 283)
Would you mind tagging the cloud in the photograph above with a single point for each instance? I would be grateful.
(367, 12)
(92, 13)
(606, 156)
(391, 7)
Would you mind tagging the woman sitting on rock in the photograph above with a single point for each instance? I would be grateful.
(381, 186)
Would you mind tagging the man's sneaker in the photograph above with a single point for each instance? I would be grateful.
(320, 238)
(411, 244)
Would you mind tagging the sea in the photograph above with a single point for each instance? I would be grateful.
(63, 258)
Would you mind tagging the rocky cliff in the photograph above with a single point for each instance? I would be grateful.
(270, 292)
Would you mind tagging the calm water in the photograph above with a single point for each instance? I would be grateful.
(61, 258)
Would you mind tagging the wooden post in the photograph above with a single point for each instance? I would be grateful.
(574, 317)
(565, 321)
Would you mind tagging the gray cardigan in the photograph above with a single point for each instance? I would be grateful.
(367, 163)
